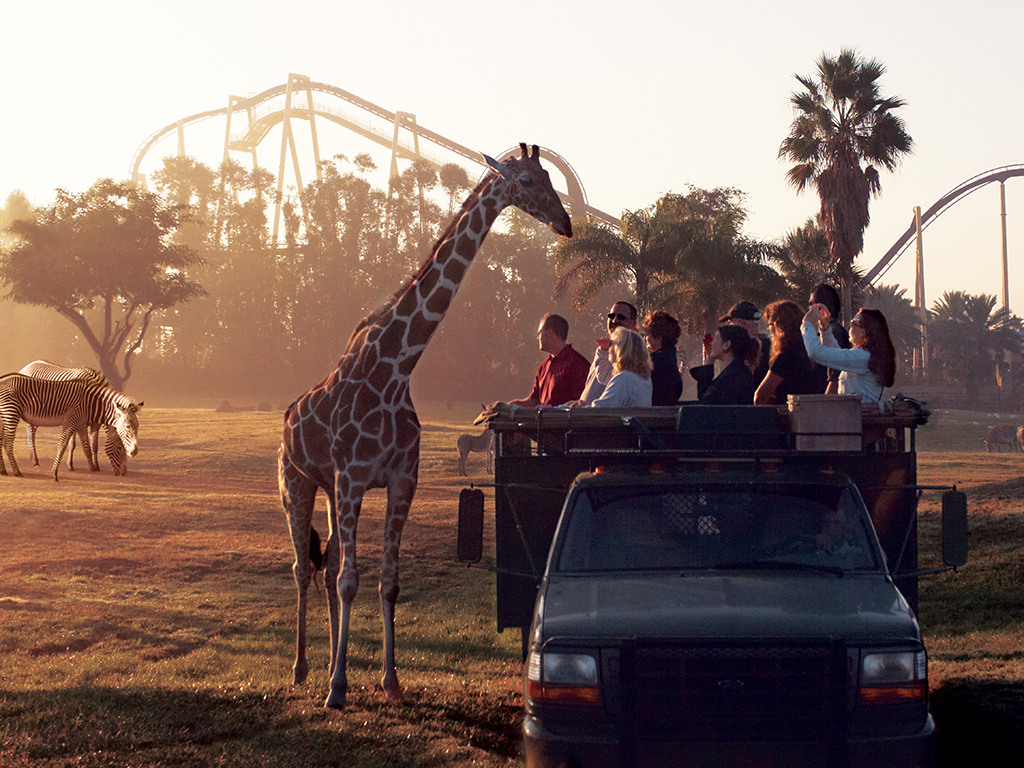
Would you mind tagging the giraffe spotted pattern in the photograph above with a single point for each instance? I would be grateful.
(357, 429)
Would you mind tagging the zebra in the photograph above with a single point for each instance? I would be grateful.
(71, 404)
(43, 369)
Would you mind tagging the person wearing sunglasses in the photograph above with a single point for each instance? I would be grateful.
(621, 315)
(868, 367)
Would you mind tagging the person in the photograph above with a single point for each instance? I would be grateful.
(662, 332)
(733, 347)
(630, 384)
(622, 314)
(790, 370)
(868, 366)
(560, 378)
(827, 379)
(748, 317)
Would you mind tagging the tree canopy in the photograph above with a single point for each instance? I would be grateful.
(971, 335)
(105, 260)
(843, 131)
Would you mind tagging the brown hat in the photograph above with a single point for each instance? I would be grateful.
(742, 311)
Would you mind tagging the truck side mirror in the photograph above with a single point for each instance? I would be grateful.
(954, 528)
(471, 525)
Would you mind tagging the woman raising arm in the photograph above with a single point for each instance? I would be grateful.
(868, 366)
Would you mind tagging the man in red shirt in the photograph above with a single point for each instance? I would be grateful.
(562, 376)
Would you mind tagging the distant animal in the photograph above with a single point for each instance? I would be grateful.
(42, 369)
(73, 405)
(1020, 438)
(1002, 436)
(482, 443)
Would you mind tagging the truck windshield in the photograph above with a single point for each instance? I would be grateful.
(666, 527)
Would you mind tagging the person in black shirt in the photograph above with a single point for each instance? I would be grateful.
(662, 332)
(790, 370)
(827, 379)
(747, 316)
(732, 345)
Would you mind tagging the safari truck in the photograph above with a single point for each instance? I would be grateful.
(714, 585)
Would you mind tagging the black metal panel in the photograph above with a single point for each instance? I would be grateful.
(735, 692)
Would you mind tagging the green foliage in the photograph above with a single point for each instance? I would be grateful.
(969, 336)
(110, 248)
(843, 131)
(686, 254)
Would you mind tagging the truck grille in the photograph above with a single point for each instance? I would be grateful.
(773, 692)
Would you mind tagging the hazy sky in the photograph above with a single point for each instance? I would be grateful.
(642, 98)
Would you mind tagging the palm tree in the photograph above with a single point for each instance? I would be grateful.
(844, 129)
(716, 265)
(970, 336)
(598, 257)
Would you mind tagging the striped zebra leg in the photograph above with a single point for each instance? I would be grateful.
(8, 429)
(30, 434)
(65, 438)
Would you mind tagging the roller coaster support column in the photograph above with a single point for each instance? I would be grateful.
(1002, 222)
(920, 355)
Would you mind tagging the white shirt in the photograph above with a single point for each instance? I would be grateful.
(855, 377)
(626, 390)
(598, 378)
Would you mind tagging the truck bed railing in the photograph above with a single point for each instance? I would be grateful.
(691, 429)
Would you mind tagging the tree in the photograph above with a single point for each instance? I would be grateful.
(598, 257)
(970, 336)
(105, 261)
(843, 131)
(715, 264)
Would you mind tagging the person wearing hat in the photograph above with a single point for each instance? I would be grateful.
(747, 316)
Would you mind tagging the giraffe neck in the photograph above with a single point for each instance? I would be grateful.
(407, 324)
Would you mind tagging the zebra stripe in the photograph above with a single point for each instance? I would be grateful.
(43, 369)
(72, 405)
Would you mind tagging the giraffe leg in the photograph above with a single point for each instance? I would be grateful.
(348, 503)
(298, 496)
(332, 568)
(400, 493)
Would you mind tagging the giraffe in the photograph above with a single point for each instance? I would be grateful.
(357, 429)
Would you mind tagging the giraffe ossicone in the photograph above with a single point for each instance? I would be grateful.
(357, 429)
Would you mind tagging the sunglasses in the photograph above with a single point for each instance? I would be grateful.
(858, 323)
(618, 316)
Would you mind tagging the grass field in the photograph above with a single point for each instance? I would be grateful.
(149, 620)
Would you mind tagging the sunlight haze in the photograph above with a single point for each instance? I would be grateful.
(641, 98)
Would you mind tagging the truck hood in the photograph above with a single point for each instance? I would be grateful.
(851, 608)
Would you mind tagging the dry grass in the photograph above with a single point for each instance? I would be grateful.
(149, 620)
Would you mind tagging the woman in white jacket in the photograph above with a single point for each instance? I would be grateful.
(630, 385)
(868, 366)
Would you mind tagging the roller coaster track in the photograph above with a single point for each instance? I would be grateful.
(263, 114)
(939, 207)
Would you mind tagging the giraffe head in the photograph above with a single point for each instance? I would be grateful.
(530, 190)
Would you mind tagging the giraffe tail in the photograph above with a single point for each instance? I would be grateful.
(316, 556)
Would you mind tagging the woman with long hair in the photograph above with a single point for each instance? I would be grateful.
(738, 352)
(662, 332)
(790, 371)
(868, 367)
(630, 385)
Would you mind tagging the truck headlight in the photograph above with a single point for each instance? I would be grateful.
(894, 677)
(563, 678)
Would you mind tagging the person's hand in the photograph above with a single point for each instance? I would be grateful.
(604, 344)
(814, 314)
